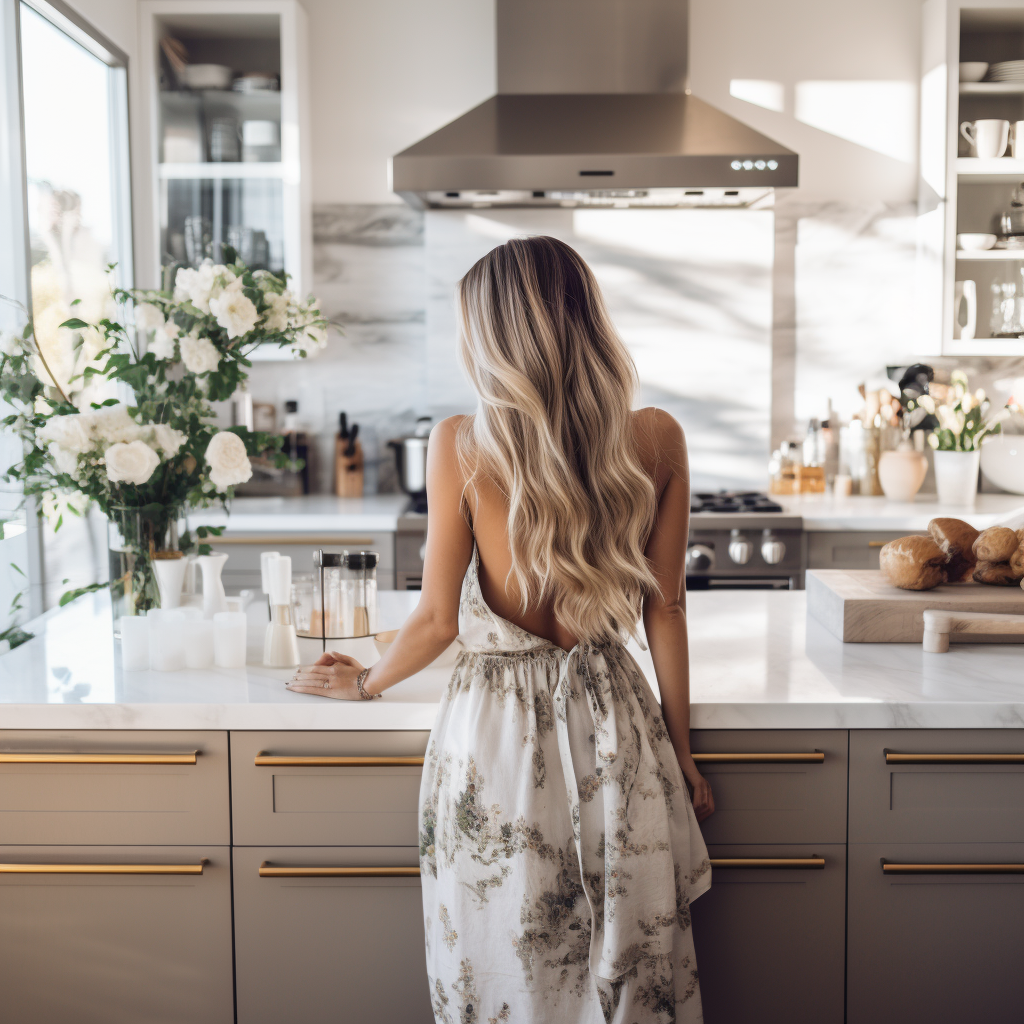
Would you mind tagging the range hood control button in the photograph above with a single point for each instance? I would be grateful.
(700, 558)
(740, 549)
(773, 550)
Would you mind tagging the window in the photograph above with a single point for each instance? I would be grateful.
(64, 169)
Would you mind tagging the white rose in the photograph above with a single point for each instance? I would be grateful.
(148, 317)
(113, 423)
(10, 343)
(277, 314)
(199, 355)
(65, 461)
(70, 432)
(132, 463)
(197, 285)
(312, 340)
(234, 311)
(183, 283)
(163, 345)
(229, 465)
(167, 438)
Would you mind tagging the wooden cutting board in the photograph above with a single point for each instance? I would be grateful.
(861, 606)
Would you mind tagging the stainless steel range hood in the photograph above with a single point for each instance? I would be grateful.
(592, 110)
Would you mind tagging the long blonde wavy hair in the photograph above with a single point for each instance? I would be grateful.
(553, 432)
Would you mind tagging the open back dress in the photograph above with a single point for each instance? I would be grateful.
(558, 845)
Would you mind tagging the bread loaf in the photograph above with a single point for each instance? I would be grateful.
(996, 544)
(1017, 558)
(956, 540)
(913, 563)
(996, 574)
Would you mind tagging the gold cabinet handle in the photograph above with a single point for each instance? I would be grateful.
(329, 761)
(102, 869)
(768, 757)
(767, 862)
(952, 869)
(276, 539)
(34, 757)
(894, 758)
(268, 870)
(877, 543)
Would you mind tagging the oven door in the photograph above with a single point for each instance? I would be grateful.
(695, 582)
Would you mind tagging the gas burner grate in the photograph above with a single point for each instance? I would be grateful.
(733, 502)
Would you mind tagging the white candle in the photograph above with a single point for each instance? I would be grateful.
(134, 643)
(199, 643)
(229, 639)
(166, 640)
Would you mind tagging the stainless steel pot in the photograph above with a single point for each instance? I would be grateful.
(411, 458)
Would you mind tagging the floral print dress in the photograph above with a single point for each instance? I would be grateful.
(558, 845)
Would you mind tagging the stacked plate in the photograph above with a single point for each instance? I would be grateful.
(1006, 71)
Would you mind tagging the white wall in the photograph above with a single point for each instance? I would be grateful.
(382, 75)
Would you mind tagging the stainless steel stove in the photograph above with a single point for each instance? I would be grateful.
(743, 540)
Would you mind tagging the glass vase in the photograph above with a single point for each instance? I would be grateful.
(136, 538)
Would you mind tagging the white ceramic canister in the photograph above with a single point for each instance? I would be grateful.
(956, 477)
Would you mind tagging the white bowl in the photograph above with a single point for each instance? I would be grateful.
(1002, 462)
(975, 241)
(447, 658)
(973, 70)
(206, 76)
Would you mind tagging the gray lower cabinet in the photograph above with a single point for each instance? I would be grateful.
(115, 948)
(770, 939)
(935, 948)
(321, 948)
(848, 549)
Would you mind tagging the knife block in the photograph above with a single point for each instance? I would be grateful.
(348, 470)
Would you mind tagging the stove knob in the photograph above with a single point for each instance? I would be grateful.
(700, 558)
(740, 549)
(773, 550)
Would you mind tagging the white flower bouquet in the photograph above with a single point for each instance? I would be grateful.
(144, 459)
(963, 417)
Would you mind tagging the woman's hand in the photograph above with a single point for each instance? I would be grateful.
(333, 675)
(700, 791)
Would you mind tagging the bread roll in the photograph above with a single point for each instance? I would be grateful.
(956, 539)
(996, 544)
(996, 574)
(1017, 558)
(913, 563)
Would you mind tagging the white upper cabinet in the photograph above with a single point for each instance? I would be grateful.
(226, 110)
(968, 187)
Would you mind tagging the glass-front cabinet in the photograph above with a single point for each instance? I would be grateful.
(229, 143)
(972, 178)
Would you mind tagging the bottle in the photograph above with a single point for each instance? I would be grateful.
(811, 444)
(348, 460)
(297, 444)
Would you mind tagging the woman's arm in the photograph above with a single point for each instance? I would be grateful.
(434, 623)
(665, 613)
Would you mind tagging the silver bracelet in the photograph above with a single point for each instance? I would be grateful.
(363, 695)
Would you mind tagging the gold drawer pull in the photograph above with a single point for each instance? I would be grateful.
(328, 761)
(102, 869)
(952, 869)
(268, 870)
(877, 543)
(315, 540)
(767, 862)
(10, 757)
(893, 758)
(805, 757)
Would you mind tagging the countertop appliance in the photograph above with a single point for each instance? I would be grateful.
(411, 460)
(743, 540)
(593, 108)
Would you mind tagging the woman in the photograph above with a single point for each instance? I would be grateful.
(558, 844)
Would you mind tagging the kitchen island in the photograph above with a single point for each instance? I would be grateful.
(208, 846)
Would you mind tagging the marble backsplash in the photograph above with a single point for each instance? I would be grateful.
(742, 323)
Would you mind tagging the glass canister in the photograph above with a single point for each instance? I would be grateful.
(361, 586)
(331, 617)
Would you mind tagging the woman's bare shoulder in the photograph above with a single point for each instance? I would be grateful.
(659, 436)
(447, 430)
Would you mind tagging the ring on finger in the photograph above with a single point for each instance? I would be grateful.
(326, 684)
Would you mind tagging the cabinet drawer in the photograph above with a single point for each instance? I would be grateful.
(849, 549)
(934, 948)
(920, 785)
(303, 799)
(779, 929)
(781, 787)
(334, 948)
(116, 948)
(124, 788)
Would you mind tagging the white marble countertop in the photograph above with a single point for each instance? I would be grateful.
(756, 663)
(822, 512)
(312, 513)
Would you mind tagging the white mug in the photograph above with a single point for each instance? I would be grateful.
(965, 304)
(989, 138)
(1017, 142)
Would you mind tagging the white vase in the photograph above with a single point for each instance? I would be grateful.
(170, 575)
(956, 477)
(214, 598)
(902, 472)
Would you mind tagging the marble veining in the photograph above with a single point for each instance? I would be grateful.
(756, 663)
